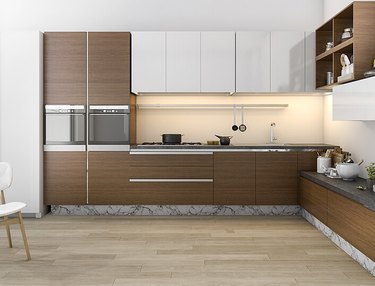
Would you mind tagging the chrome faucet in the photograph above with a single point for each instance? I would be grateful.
(273, 139)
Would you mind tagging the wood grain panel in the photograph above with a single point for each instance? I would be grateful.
(314, 199)
(109, 68)
(276, 178)
(171, 172)
(234, 178)
(108, 177)
(167, 160)
(353, 222)
(307, 161)
(65, 178)
(65, 68)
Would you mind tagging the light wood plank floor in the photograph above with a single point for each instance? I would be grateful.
(176, 251)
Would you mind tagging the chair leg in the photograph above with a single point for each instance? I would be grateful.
(8, 234)
(22, 227)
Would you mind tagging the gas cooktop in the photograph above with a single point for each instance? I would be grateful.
(161, 143)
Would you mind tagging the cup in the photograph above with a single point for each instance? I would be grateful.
(329, 78)
(323, 164)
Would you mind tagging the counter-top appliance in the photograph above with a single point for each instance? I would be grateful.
(109, 128)
(65, 128)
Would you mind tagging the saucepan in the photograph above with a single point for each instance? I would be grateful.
(172, 138)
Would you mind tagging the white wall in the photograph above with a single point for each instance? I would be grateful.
(21, 116)
(332, 7)
(301, 122)
(137, 15)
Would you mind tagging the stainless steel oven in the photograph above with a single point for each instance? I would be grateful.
(65, 128)
(109, 128)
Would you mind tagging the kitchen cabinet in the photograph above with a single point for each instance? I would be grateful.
(109, 68)
(65, 68)
(218, 61)
(183, 61)
(253, 61)
(234, 178)
(148, 62)
(287, 61)
(65, 178)
(276, 178)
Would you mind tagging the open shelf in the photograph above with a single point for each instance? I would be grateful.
(343, 47)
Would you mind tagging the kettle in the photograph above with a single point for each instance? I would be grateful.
(224, 140)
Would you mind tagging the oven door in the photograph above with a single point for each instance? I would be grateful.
(65, 130)
(109, 132)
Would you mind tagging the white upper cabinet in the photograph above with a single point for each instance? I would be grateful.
(218, 61)
(183, 62)
(148, 62)
(310, 61)
(253, 61)
(287, 61)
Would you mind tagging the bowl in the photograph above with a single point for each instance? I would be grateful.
(348, 171)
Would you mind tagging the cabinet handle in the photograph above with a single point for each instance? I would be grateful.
(171, 180)
(169, 153)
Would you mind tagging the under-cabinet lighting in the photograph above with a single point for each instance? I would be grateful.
(211, 106)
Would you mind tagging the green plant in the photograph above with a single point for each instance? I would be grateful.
(371, 171)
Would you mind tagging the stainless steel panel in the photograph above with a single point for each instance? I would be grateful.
(173, 152)
(108, 147)
(171, 180)
(54, 148)
(61, 129)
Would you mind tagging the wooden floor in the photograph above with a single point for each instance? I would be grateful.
(176, 251)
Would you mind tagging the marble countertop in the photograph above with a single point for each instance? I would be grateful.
(345, 188)
(234, 148)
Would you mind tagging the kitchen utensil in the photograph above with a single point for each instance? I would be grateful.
(242, 127)
(172, 138)
(347, 34)
(348, 171)
(224, 140)
(323, 164)
(234, 127)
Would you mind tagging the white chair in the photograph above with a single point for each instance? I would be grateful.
(7, 209)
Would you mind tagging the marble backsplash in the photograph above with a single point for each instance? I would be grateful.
(174, 210)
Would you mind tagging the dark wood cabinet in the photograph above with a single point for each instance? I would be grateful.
(314, 199)
(234, 178)
(109, 68)
(65, 178)
(353, 222)
(65, 68)
(276, 178)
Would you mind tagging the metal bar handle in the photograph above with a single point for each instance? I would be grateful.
(171, 180)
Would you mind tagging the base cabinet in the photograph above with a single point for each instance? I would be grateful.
(234, 178)
(314, 199)
(65, 178)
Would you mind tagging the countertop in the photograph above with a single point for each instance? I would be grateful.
(234, 148)
(345, 188)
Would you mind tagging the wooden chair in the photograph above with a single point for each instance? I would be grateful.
(7, 209)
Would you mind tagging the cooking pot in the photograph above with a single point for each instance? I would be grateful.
(224, 140)
(348, 171)
(171, 138)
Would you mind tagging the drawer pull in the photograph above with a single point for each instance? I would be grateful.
(170, 153)
(171, 180)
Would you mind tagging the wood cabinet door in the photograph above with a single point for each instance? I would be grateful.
(314, 199)
(353, 222)
(253, 61)
(218, 62)
(109, 68)
(276, 178)
(148, 62)
(234, 178)
(183, 61)
(108, 178)
(287, 61)
(65, 178)
(65, 68)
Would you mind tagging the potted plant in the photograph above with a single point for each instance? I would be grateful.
(371, 176)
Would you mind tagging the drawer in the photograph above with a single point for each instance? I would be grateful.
(171, 160)
(171, 172)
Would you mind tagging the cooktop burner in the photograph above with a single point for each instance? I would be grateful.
(161, 143)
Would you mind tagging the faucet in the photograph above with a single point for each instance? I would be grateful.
(272, 133)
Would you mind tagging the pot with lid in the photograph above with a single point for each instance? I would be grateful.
(171, 138)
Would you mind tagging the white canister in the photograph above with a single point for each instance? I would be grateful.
(322, 164)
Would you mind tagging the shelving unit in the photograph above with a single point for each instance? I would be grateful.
(360, 16)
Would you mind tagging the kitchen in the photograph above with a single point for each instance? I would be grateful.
(302, 116)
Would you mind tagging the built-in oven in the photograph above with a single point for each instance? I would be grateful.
(109, 128)
(65, 128)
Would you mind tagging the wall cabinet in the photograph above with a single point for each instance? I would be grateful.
(65, 178)
(65, 60)
(183, 63)
(218, 62)
(287, 61)
(276, 178)
(148, 62)
(253, 61)
(234, 178)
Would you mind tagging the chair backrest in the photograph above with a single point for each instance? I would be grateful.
(6, 175)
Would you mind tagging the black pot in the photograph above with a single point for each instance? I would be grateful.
(224, 140)
(171, 138)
